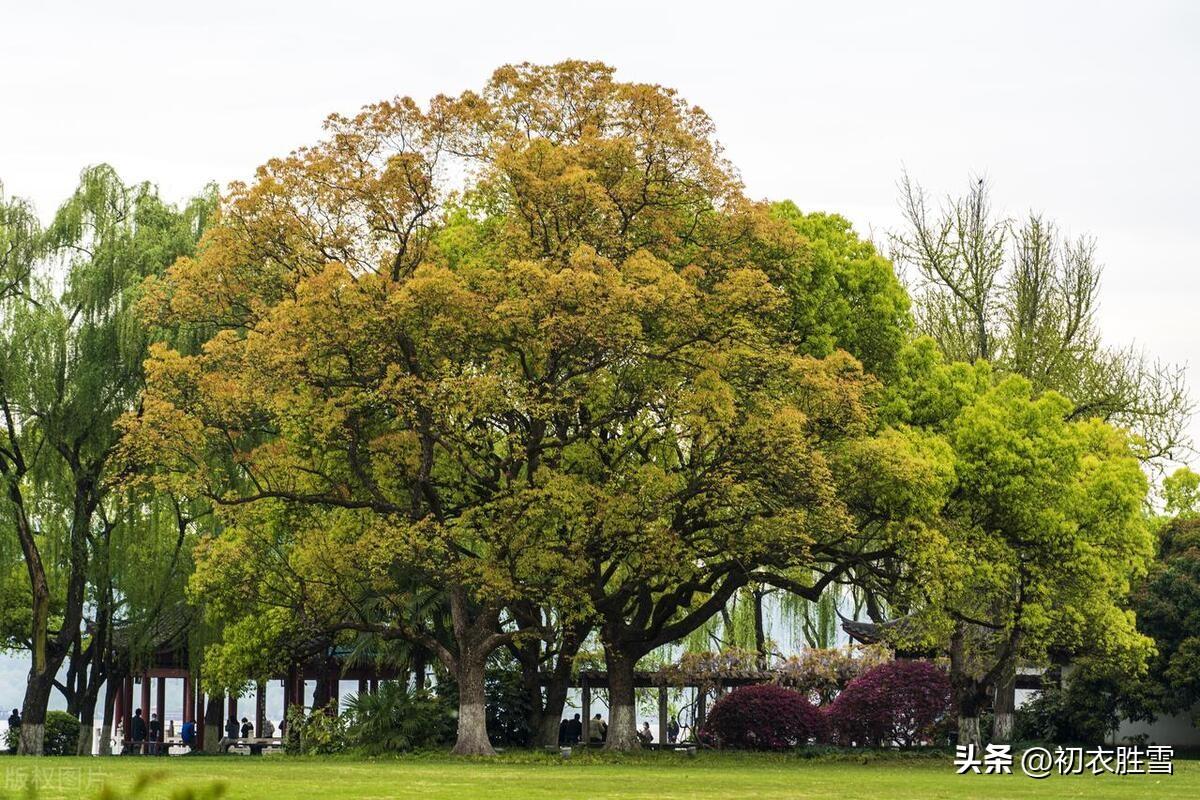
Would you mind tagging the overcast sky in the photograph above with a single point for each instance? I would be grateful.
(1086, 111)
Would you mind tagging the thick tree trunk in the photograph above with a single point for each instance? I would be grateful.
(968, 731)
(546, 708)
(472, 708)
(1004, 705)
(546, 733)
(214, 716)
(111, 686)
(968, 693)
(33, 711)
(551, 714)
(622, 701)
(970, 697)
(87, 720)
(49, 652)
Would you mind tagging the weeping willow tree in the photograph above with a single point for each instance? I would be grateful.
(769, 622)
(71, 353)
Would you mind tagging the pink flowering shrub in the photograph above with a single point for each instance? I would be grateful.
(763, 717)
(896, 703)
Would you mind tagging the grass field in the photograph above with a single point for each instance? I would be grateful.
(591, 777)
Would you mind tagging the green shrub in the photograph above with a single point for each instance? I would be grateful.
(1085, 710)
(317, 733)
(62, 734)
(395, 720)
(507, 709)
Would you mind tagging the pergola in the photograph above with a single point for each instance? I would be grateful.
(168, 657)
(589, 680)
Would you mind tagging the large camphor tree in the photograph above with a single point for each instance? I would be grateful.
(525, 346)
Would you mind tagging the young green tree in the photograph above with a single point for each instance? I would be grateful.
(1021, 295)
(1044, 528)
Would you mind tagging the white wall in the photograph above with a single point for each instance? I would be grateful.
(1177, 730)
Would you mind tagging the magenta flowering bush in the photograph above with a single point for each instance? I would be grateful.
(895, 703)
(763, 717)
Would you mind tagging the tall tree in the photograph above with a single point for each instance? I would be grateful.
(581, 373)
(1023, 296)
(73, 353)
(1043, 528)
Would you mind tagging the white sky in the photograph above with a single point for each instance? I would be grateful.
(1087, 111)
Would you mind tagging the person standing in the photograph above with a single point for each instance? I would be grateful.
(574, 730)
(14, 730)
(598, 730)
(188, 734)
(673, 731)
(137, 733)
(155, 735)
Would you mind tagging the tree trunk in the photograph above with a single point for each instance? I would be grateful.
(546, 733)
(550, 718)
(111, 687)
(622, 701)
(968, 731)
(472, 708)
(760, 630)
(546, 709)
(87, 720)
(1004, 704)
(33, 711)
(214, 716)
(419, 666)
(49, 652)
(970, 697)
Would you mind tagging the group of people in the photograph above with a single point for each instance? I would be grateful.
(570, 731)
(246, 729)
(145, 737)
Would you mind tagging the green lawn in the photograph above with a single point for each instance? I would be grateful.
(591, 777)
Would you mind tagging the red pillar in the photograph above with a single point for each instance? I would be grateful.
(374, 685)
(260, 707)
(200, 712)
(189, 707)
(161, 708)
(232, 708)
(146, 707)
(128, 707)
